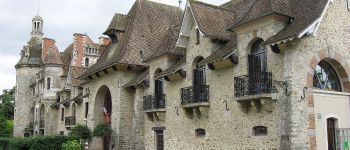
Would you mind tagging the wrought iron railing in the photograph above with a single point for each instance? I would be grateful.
(69, 121)
(253, 84)
(195, 94)
(156, 101)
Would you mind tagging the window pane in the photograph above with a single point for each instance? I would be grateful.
(325, 77)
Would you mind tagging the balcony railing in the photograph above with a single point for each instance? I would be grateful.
(151, 102)
(253, 84)
(69, 121)
(195, 94)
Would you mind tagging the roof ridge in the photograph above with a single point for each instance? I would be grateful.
(214, 6)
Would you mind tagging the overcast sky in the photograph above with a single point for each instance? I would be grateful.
(62, 18)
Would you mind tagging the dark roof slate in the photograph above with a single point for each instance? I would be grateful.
(118, 23)
(305, 13)
(213, 20)
(77, 72)
(53, 56)
(167, 45)
(221, 53)
(66, 56)
(138, 79)
(172, 69)
(146, 28)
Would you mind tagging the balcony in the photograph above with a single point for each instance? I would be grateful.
(254, 90)
(69, 121)
(195, 96)
(153, 102)
(154, 106)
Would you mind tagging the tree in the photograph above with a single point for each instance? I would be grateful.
(7, 105)
(7, 112)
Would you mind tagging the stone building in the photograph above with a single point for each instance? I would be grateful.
(255, 74)
(45, 77)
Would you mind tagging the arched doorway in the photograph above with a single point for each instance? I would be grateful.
(103, 112)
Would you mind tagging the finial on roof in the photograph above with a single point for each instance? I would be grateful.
(38, 8)
(180, 1)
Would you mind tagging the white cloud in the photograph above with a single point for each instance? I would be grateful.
(62, 18)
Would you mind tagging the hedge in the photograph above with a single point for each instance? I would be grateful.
(52, 142)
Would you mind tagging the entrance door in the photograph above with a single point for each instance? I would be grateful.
(331, 133)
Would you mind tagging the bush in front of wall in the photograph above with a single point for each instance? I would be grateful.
(71, 145)
(82, 132)
(52, 142)
(102, 130)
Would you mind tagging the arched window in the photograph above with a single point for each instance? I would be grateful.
(200, 89)
(48, 83)
(325, 77)
(86, 62)
(159, 90)
(257, 59)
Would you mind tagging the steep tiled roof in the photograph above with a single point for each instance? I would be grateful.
(167, 45)
(66, 56)
(172, 69)
(118, 23)
(34, 53)
(138, 79)
(262, 8)
(305, 12)
(147, 26)
(53, 56)
(77, 72)
(221, 53)
(213, 20)
(301, 12)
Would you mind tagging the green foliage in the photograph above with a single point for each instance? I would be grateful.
(71, 145)
(6, 113)
(53, 142)
(192, 1)
(6, 127)
(3, 143)
(102, 130)
(7, 105)
(82, 132)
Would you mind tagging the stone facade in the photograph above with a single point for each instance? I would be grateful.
(284, 117)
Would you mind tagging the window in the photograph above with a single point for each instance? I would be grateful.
(86, 109)
(62, 114)
(48, 82)
(87, 62)
(200, 132)
(325, 77)
(159, 139)
(259, 130)
(257, 60)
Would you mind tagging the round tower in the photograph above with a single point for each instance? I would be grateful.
(28, 74)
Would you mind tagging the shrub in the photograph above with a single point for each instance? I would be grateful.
(19, 144)
(53, 142)
(71, 145)
(4, 143)
(82, 132)
(102, 130)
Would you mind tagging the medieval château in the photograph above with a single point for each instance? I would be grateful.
(248, 74)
